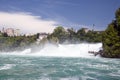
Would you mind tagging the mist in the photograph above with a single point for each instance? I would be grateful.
(61, 50)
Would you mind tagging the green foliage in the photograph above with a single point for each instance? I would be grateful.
(54, 40)
(111, 38)
(59, 33)
(117, 14)
(13, 43)
(71, 36)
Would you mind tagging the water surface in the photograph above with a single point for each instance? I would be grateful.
(64, 62)
(51, 68)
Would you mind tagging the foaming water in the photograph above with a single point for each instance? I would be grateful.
(6, 66)
(47, 68)
(69, 50)
(59, 67)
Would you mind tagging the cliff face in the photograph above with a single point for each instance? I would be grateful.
(111, 38)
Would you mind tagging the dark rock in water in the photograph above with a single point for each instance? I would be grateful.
(100, 52)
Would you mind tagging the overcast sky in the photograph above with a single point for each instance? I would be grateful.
(31, 16)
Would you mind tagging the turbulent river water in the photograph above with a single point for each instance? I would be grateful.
(65, 62)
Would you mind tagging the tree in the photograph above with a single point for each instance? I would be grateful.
(5, 35)
(81, 34)
(71, 35)
(60, 33)
(111, 38)
(117, 16)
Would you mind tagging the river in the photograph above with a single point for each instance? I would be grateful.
(65, 62)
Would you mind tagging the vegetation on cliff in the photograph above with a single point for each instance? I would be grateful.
(111, 38)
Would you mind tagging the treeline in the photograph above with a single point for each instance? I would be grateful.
(13, 43)
(59, 35)
(63, 35)
(111, 38)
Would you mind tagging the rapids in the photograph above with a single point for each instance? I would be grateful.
(62, 50)
(63, 62)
